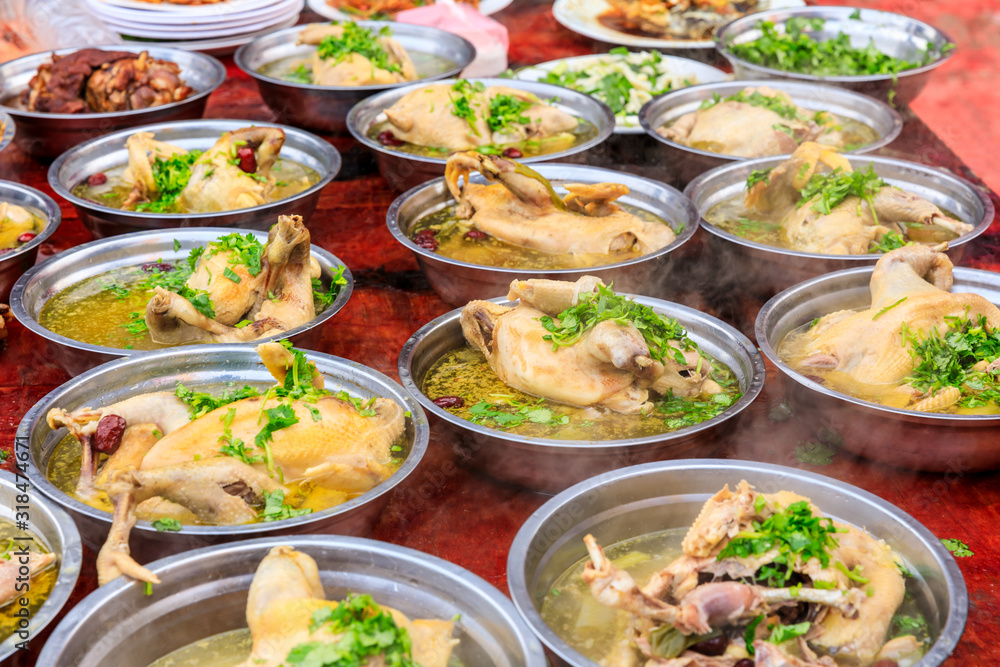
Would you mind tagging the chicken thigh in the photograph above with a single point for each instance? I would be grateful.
(217, 184)
(279, 298)
(521, 207)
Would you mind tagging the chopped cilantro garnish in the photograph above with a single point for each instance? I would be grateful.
(167, 525)
(199, 403)
(663, 335)
(826, 191)
(783, 633)
(360, 40)
(171, 176)
(957, 547)
(889, 242)
(514, 413)
(275, 508)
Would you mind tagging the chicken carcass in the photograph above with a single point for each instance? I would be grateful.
(169, 463)
(520, 207)
(609, 366)
(99, 81)
(356, 69)
(277, 299)
(429, 117)
(745, 128)
(849, 227)
(285, 593)
(848, 617)
(910, 293)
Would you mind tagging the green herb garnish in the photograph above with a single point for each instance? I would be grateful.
(200, 404)
(783, 633)
(957, 547)
(275, 508)
(826, 191)
(171, 176)
(167, 525)
(663, 335)
(360, 40)
(889, 242)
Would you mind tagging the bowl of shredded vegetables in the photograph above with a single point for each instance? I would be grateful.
(888, 56)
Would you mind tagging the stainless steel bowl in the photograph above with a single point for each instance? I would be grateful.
(19, 260)
(552, 465)
(458, 282)
(60, 536)
(72, 266)
(8, 127)
(208, 368)
(403, 171)
(627, 503)
(109, 151)
(904, 438)
(893, 34)
(693, 161)
(204, 593)
(49, 134)
(766, 269)
(324, 108)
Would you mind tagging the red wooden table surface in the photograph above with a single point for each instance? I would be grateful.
(464, 516)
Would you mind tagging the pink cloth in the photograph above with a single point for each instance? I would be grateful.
(488, 36)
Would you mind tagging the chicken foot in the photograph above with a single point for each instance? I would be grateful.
(219, 491)
(173, 320)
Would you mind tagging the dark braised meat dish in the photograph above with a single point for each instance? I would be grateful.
(677, 19)
(96, 81)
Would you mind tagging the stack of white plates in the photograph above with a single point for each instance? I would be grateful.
(216, 28)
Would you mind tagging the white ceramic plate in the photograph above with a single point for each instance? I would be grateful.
(216, 9)
(486, 7)
(224, 46)
(207, 32)
(581, 16)
(678, 67)
(164, 21)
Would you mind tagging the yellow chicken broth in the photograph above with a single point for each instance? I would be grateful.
(226, 649)
(490, 251)
(290, 178)
(288, 69)
(571, 611)
(792, 350)
(10, 230)
(584, 131)
(64, 472)
(734, 217)
(464, 372)
(40, 585)
(70, 313)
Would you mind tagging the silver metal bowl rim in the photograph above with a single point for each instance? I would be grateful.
(50, 209)
(9, 129)
(769, 351)
(240, 58)
(948, 636)
(21, 313)
(557, 91)
(210, 64)
(421, 437)
(105, 594)
(755, 384)
(790, 87)
(223, 125)
(723, 48)
(719, 172)
(69, 563)
(690, 224)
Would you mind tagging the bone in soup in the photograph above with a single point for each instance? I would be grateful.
(763, 576)
(607, 368)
